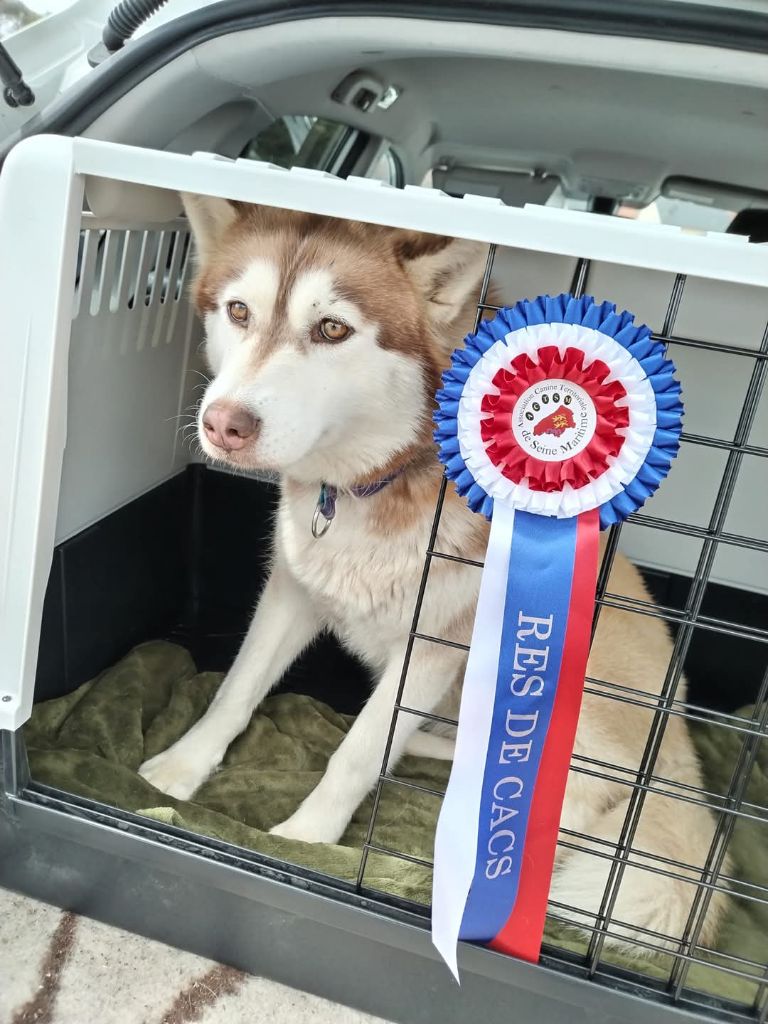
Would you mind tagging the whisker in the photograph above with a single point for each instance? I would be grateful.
(187, 431)
(200, 373)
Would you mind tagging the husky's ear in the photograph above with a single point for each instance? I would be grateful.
(447, 271)
(209, 218)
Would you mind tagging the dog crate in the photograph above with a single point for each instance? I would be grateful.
(113, 532)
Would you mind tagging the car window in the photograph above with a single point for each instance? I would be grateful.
(387, 168)
(303, 141)
(682, 214)
(14, 16)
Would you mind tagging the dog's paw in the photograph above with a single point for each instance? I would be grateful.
(309, 828)
(176, 772)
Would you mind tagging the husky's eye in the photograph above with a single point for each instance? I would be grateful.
(333, 330)
(238, 313)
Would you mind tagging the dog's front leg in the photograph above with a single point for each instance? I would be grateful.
(355, 766)
(283, 624)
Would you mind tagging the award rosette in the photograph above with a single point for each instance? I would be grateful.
(559, 417)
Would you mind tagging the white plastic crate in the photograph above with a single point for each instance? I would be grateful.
(97, 372)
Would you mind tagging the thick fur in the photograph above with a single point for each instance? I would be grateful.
(354, 411)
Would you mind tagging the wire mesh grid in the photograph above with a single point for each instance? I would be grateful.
(711, 876)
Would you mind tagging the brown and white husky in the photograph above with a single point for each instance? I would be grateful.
(326, 339)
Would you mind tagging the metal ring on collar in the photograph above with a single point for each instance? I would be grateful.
(320, 532)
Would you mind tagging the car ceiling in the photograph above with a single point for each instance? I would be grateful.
(603, 131)
(611, 117)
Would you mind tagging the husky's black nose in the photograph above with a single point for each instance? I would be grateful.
(229, 426)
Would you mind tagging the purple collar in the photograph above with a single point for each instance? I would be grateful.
(326, 500)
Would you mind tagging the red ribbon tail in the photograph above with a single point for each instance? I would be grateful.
(522, 933)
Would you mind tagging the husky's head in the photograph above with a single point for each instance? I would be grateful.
(325, 337)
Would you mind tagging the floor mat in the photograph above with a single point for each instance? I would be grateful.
(58, 968)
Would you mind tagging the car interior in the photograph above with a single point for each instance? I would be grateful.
(525, 115)
(625, 129)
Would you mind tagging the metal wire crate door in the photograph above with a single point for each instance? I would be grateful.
(731, 806)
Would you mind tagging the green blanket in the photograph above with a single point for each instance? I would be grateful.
(92, 741)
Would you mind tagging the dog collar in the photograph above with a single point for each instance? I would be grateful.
(325, 508)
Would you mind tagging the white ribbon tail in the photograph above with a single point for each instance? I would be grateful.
(456, 835)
